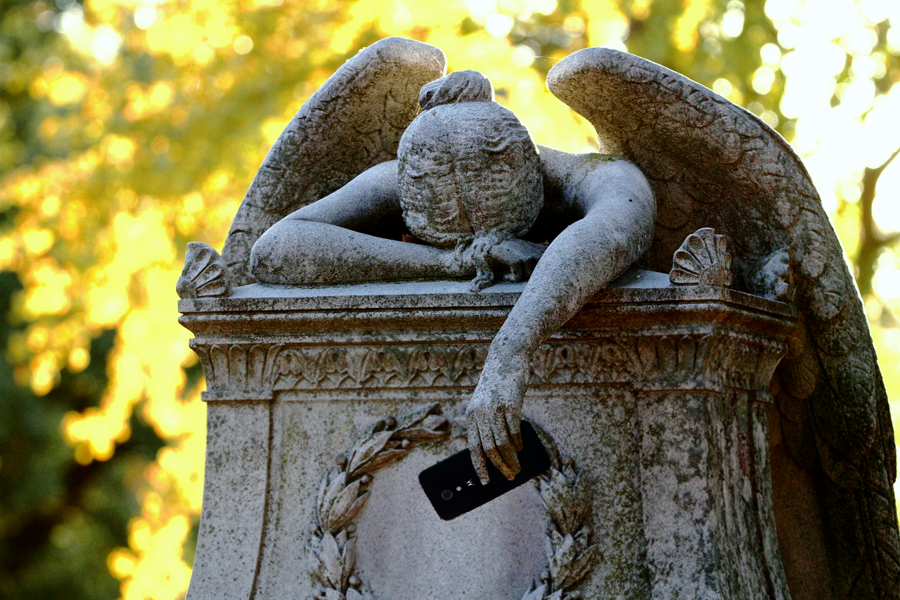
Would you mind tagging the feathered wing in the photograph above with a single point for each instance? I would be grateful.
(353, 122)
(713, 164)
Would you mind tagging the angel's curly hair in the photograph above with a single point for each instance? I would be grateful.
(458, 86)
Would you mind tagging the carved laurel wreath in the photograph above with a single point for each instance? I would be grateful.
(343, 493)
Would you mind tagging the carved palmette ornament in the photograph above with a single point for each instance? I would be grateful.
(331, 549)
(702, 259)
(204, 273)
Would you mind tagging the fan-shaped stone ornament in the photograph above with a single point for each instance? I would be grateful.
(204, 273)
(468, 169)
(703, 259)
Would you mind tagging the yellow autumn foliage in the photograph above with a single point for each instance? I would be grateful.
(162, 169)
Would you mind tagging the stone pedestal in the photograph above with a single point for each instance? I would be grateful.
(657, 395)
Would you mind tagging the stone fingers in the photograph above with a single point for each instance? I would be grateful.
(516, 273)
(520, 262)
(490, 439)
(505, 448)
(477, 452)
(492, 447)
(531, 262)
(513, 425)
(519, 256)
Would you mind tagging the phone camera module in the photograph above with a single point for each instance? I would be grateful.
(446, 494)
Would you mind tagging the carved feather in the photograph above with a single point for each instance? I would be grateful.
(714, 164)
(353, 122)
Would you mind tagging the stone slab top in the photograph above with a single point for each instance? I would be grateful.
(635, 286)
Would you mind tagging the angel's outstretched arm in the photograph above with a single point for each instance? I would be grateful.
(339, 239)
(618, 214)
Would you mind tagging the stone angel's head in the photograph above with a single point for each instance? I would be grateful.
(458, 86)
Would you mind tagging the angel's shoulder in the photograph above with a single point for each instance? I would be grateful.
(597, 167)
(574, 181)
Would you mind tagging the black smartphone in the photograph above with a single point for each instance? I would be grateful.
(453, 487)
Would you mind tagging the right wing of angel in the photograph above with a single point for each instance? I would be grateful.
(713, 164)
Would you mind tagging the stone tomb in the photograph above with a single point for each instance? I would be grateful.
(654, 400)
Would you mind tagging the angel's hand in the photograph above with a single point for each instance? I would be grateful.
(494, 414)
(516, 258)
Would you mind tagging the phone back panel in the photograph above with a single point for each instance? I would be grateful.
(452, 485)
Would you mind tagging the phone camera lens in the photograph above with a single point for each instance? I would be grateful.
(446, 494)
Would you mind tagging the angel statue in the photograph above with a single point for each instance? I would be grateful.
(391, 148)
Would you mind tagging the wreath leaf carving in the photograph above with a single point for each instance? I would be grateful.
(331, 550)
(570, 555)
(343, 492)
(368, 448)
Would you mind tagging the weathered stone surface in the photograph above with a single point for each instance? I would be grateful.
(329, 363)
(713, 164)
(694, 365)
(235, 498)
(353, 122)
(469, 173)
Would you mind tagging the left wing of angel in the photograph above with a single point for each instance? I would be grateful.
(353, 122)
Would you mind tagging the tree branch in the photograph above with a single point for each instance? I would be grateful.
(871, 241)
(880, 168)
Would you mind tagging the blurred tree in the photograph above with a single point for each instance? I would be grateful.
(59, 520)
(129, 127)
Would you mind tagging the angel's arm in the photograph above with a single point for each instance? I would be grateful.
(618, 214)
(338, 239)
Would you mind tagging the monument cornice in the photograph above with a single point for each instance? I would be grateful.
(379, 309)
(415, 336)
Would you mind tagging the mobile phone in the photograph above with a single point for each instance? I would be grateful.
(453, 487)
